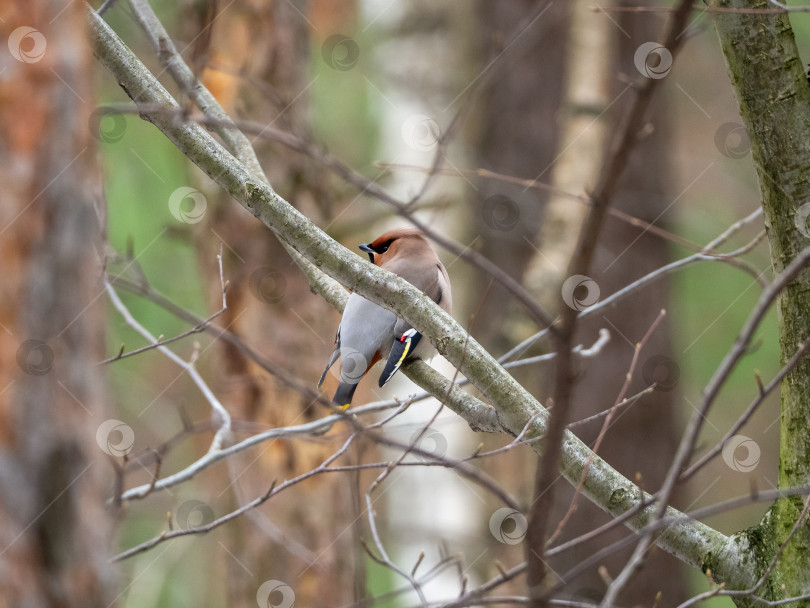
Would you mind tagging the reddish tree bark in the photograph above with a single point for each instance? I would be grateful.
(55, 534)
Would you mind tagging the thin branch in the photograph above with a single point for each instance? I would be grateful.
(480, 592)
(538, 185)
(704, 255)
(606, 424)
(223, 433)
(200, 327)
(146, 291)
(274, 490)
(696, 8)
(764, 391)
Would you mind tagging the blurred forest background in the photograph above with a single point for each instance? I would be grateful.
(524, 90)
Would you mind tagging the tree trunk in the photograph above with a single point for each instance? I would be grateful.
(519, 106)
(55, 535)
(299, 542)
(625, 254)
(773, 95)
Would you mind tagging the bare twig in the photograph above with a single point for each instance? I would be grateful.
(223, 433)
(752, 590)
(764, 391)
(200, 327)
(274, 489)
(704, 255)
(606, 424)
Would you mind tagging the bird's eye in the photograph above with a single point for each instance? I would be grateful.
(384, 247)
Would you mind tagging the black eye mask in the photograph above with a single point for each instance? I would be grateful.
(371, 250)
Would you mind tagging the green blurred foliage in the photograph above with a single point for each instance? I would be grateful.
(343, 102)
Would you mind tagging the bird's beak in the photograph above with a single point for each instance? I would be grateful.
(367, 248)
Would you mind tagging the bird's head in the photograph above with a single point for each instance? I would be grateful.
(402, 241)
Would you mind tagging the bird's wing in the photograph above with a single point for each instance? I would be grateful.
(406, 338)
(403, 346)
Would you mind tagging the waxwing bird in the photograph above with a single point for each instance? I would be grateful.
(369, 333)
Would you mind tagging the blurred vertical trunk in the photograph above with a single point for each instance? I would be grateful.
(55, 534)
(522, 62)
(625, 254)
(560, 83)
(257, 66)
(517, 109)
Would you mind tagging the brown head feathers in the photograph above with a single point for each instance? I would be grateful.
(400, 241)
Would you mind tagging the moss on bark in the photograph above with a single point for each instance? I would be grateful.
(774, 101)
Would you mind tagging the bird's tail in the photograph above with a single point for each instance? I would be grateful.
(343, 394)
